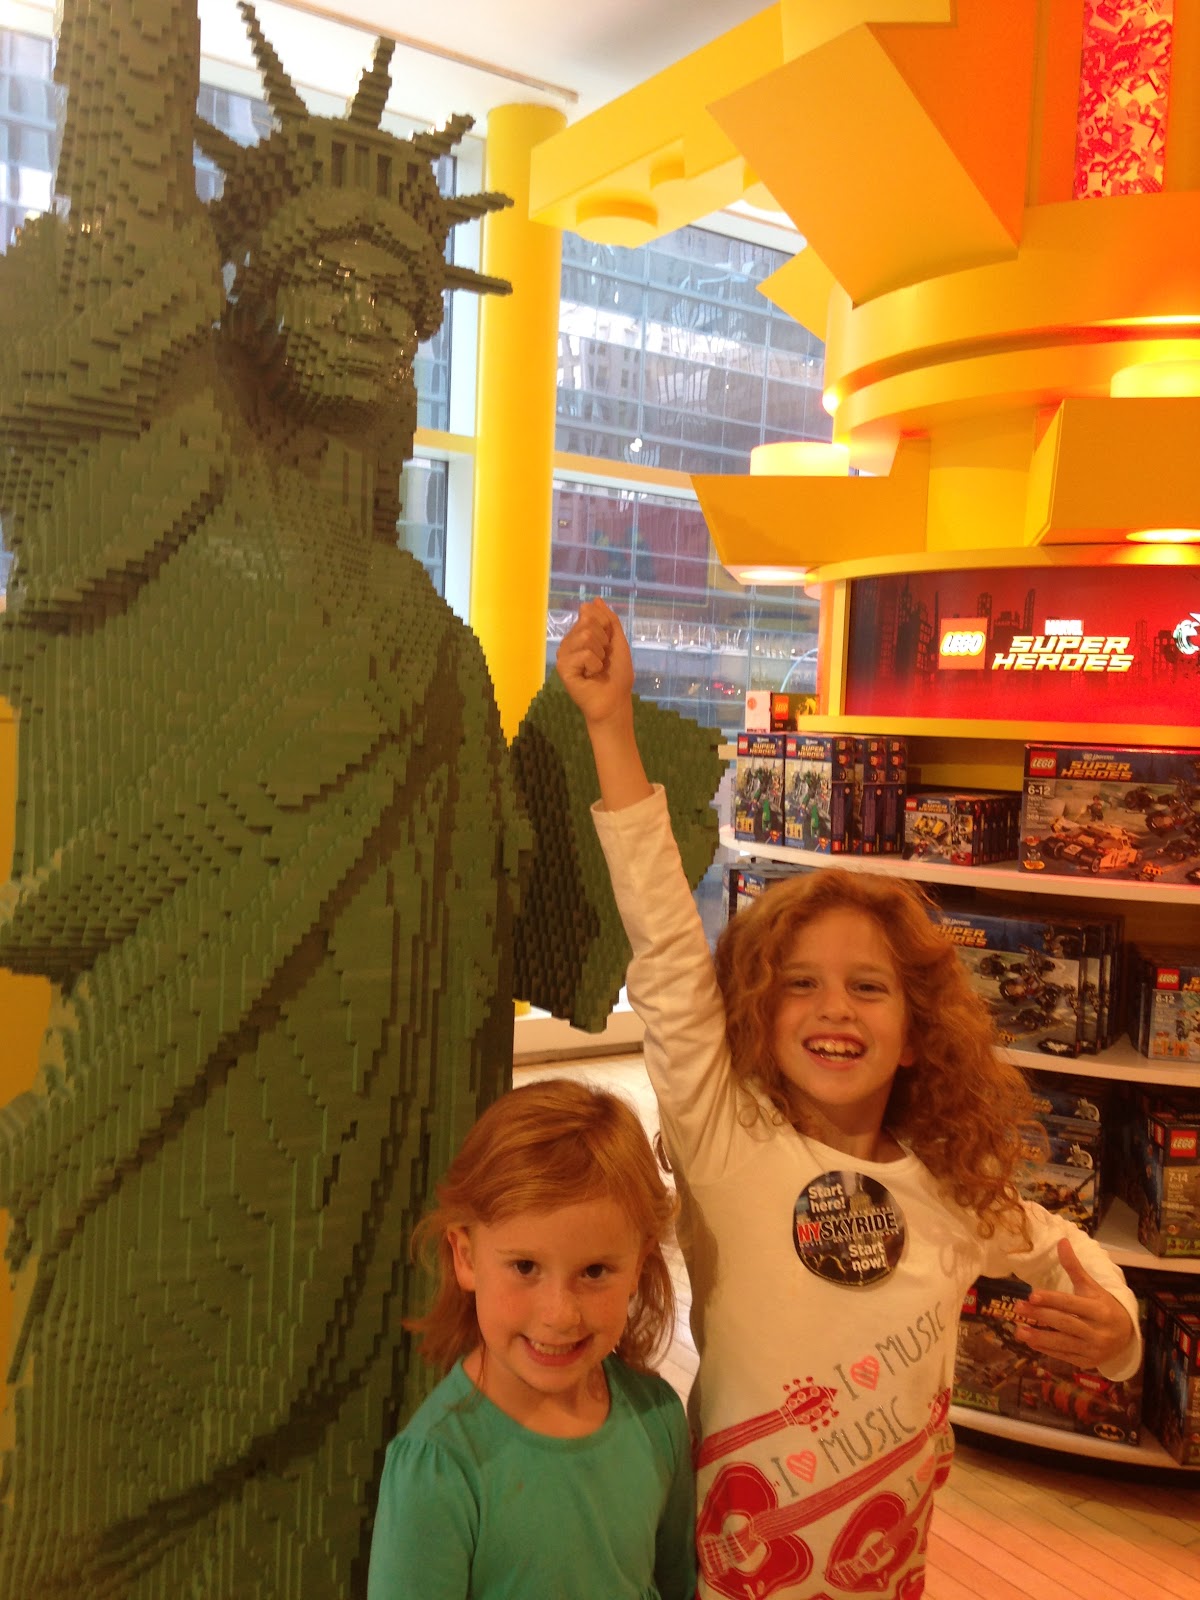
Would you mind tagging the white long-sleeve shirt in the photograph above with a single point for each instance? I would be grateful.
(820, 1405)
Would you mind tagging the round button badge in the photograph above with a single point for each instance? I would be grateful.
(848, 1229)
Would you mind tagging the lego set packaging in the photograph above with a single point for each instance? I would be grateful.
(996, 1374)
(835, 794)
(818, 792)
(758, 795)
(962, 828)
(1172, 1368)
(1034, 974)
(744, 885)
(881, 779)
(1120, 813)
(1164, 1003)
(1155, 1167)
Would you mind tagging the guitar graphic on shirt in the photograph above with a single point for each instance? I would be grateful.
(750, 1553)
(807, 1404)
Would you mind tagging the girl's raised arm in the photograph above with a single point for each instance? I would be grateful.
(596, 668)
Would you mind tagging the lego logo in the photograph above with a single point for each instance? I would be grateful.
(1167, 979)
(962, 644)
(1183, 1144)
(1047, 763)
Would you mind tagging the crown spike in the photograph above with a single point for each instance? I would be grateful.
(478, 282)
(440, 141)
(281, 93)
(216, 145)
(465, 207)
(366, 109)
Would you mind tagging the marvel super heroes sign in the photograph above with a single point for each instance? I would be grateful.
(1067, 652)
(1077, 644)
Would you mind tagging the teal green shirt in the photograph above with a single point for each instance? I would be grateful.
(474, 1505)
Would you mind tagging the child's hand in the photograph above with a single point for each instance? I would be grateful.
(595, 665)
(1088, 1327)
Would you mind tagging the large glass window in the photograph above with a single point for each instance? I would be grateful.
(699, 639)
(422, 526)
(28, 108)
(670, 357)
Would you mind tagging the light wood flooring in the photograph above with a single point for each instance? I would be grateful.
(1006, 1527)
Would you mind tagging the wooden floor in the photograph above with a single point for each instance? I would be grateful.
(1027, 1527)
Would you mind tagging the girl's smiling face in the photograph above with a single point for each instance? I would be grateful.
(552, 1291)
(841, 1030)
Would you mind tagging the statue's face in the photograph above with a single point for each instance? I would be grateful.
(346, 337)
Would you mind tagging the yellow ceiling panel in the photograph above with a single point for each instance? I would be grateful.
(620, 155)
(823, 133)
(1106, 468)
(784, 522)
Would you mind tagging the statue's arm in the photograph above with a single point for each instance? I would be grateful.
(570, 948)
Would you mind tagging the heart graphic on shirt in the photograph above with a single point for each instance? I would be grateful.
(803, 1465)
(866, 1372)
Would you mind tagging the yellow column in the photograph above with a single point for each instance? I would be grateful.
(514, 419)
(24, 1002)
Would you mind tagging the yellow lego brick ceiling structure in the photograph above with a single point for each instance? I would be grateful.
(1001, 209)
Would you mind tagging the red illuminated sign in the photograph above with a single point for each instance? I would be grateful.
(1073, 645)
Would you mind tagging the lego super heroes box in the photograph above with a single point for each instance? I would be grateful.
(1112, 812)
(758, 796)
(819, 792)
(994, 1373)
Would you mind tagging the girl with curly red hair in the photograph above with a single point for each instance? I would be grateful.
(844, 1136)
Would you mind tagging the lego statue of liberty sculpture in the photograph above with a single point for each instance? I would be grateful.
(269, 837)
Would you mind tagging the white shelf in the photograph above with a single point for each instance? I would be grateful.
(1004, 875)
(1120, 1062)
(1147, 1454)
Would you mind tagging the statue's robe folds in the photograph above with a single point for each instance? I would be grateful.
(268, 847)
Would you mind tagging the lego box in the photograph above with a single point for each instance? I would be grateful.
(1166, 1153)
(1165, 1005)
(880, 785)
(993, 1372)
(819, 798)
(1117, 813)
(1179, 1404)
(1062, 1169)
(964, 829)
(1028, 971)
(745, 885)
(758, 795)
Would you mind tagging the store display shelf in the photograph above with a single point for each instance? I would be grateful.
(1118, 1234)
(1003, 876)
(1120, 1062)
(1018, 732)
(1149, 1453)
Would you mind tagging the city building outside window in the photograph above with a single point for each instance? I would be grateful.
(671, 361)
